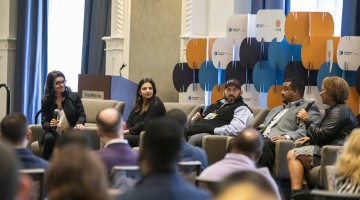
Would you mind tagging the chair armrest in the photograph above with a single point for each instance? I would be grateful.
(215, 147)
(328, 157)
(329, 177)
(280, 167)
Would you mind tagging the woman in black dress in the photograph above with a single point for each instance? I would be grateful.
(147, 106)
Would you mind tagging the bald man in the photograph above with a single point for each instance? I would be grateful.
(117, 151)
(245, 151)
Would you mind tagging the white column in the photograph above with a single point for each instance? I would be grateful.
(8, 19)
(117, 44)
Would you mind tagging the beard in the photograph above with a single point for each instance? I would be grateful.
(231, 98)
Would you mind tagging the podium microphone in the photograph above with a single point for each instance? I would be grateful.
(312, 101)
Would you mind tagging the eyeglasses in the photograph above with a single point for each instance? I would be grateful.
(58, 83)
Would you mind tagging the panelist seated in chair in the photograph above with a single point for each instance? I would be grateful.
(61, 111)
(147, 107)
(332, 129)
(281, 122)
(15, 131)
(228, 116)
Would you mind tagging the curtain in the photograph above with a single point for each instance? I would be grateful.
(96, 25)
(350, 23)
(31, 56)
(257, 5)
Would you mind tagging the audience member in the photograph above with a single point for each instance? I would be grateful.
(76, 173)
(13, 185)
(61, 111)
(246, 185)
(281, 122)
(332, 129)
(117, 150)
(188, 152)
(147, 107)
(245, 151)
(15, 131)
(228, 116)
(348, 165)
(158, 161)
(71, 138)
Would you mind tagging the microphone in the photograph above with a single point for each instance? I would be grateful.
(312, 101)
(56, 113)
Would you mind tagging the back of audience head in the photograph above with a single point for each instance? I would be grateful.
(12, 184)
(178, 116)
(245, 185)
(110, 123)
(14, 129)
(161, 147)
(347, 164)
(76, 173)
(248, 142)
(71, 138)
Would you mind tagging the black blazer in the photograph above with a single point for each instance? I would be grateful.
(73, 108)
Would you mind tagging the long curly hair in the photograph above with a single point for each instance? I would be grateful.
(337, 88)
(139, 100)
(49, 93)
(347, 164)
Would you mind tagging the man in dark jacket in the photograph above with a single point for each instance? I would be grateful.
(228, 116)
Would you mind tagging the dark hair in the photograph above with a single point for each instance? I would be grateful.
(49, 94)
(179, 116)
(73, 137)
(246, 176)
(297, 84)
(109, 128)
(162, 143)
(139, 100)
(9, 175)
(247, 144)
(14, 127)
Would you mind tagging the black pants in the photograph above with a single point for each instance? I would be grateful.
(267, 158)
(133, 140)
(48, 144)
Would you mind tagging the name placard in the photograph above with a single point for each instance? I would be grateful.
(89, 94)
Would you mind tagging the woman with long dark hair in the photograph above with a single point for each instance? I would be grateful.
(61, 110)
(147, 106)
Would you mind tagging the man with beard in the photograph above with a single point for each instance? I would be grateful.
(281, 123)
(228, 116)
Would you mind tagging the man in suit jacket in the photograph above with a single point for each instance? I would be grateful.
(281, 123)
(116, 152)
(15, 131)
(158, 162)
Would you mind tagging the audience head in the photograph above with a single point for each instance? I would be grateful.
(293, 90)
(245, 185)
(14, 129)
(110, 123)
(248, 142)
(9, 176)
(55, 83)
(347, 164)
(334, 90)
(76, 173)
(232, 90)
(178, 116)
(161, 147)
(71, 138)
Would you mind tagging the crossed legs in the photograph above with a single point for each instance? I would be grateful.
(297, 166)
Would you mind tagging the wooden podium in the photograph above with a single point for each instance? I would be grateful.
(108, 87)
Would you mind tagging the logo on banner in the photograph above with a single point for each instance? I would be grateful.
(277, 23)
(229, 30)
